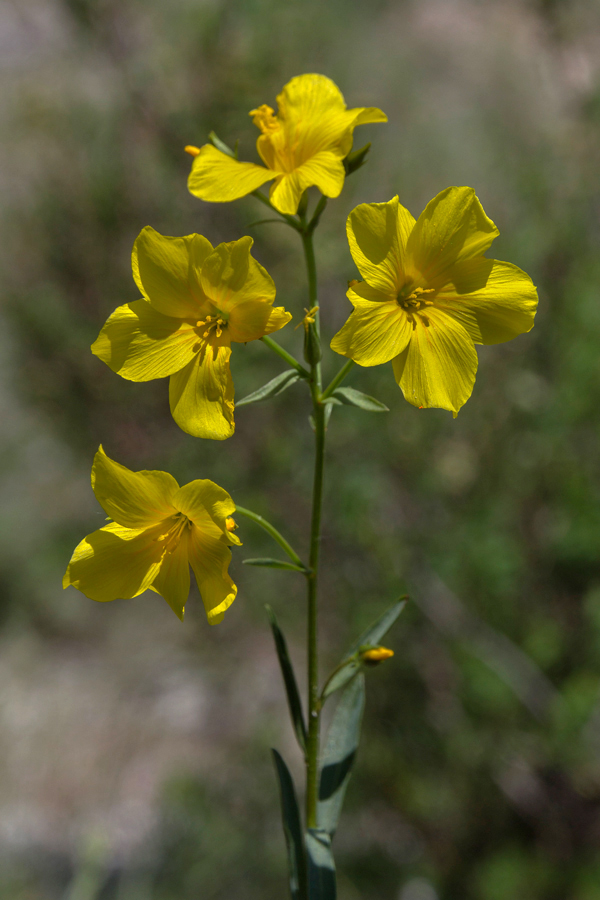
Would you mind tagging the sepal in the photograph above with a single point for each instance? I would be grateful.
(356, 159)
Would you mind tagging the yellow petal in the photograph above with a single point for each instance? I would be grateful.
(133, 499)
(231, 275)
(161, 270)
(209, 558)
(375, 332)
(453, 227)
(314, 115)
(324, 169)
(438, 366)
(277, 319)
(141, 344)
(494, 301)
(378, 234)
(248, 321)
(201, 394)
(219, 178)
(114, 563)
(208, 506)
(173, 579)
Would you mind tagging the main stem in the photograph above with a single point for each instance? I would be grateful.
(312, 748)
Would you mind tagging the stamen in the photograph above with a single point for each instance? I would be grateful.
(193, 151)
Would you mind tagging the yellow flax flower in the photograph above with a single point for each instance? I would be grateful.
(429, 295)
(158, 531)
(303, 144)
(197, 301)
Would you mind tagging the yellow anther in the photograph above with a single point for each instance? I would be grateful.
(230, 524)
(264, 118)
(375, 655)
(309, 318)
(193, 151)
(352, 282)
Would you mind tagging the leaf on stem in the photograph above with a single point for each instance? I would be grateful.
(289, 680)
(273, 387)
(292, 829)
(269, 563)
(321, 867)
(352, 397)
(351, 664)
(339, 753)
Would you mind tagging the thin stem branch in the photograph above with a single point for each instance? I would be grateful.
(270, 529)
(290, 360)
(337, 380)
(291, 220)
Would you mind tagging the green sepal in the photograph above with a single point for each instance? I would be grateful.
(269, 563)
(339, 753)
(356, 159)
(275, 386)
(352, 397)
(321, 867)
(220, 145)
(351, 664)
(289, 680)
(292, 829)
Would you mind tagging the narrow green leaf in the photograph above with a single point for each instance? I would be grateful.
(289, 680)
(378, 630)
(356, 159)
(372, 636)
(220, 145)
(268, 563)
(352, 397)
(276, 386)
(321, 867)
(292, 828)
(339, 754)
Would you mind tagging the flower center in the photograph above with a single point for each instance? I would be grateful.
(174, 532)
(264, 118)
(205, 326)
(415, 302)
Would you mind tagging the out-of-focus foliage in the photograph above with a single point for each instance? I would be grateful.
(134, 751)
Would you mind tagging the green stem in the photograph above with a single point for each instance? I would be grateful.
(290, 360)
(337, 380)
(289, 219)
(312, 746)
(270, 529)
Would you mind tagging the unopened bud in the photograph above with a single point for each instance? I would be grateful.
(230, 524)
(375, 655)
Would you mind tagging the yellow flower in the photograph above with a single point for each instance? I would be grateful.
(197, 301)
(429, 296)
(303, 145)
(158, 531)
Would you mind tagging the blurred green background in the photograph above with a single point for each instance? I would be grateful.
(134, 758)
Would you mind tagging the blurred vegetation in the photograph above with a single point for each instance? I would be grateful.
(479, 772)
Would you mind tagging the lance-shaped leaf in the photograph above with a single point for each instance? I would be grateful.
(269, 563)
(289, 680)
(292, 828)
(339, 754)
(273, 387)
(352, 397)
(321, 867)
(350, 665)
